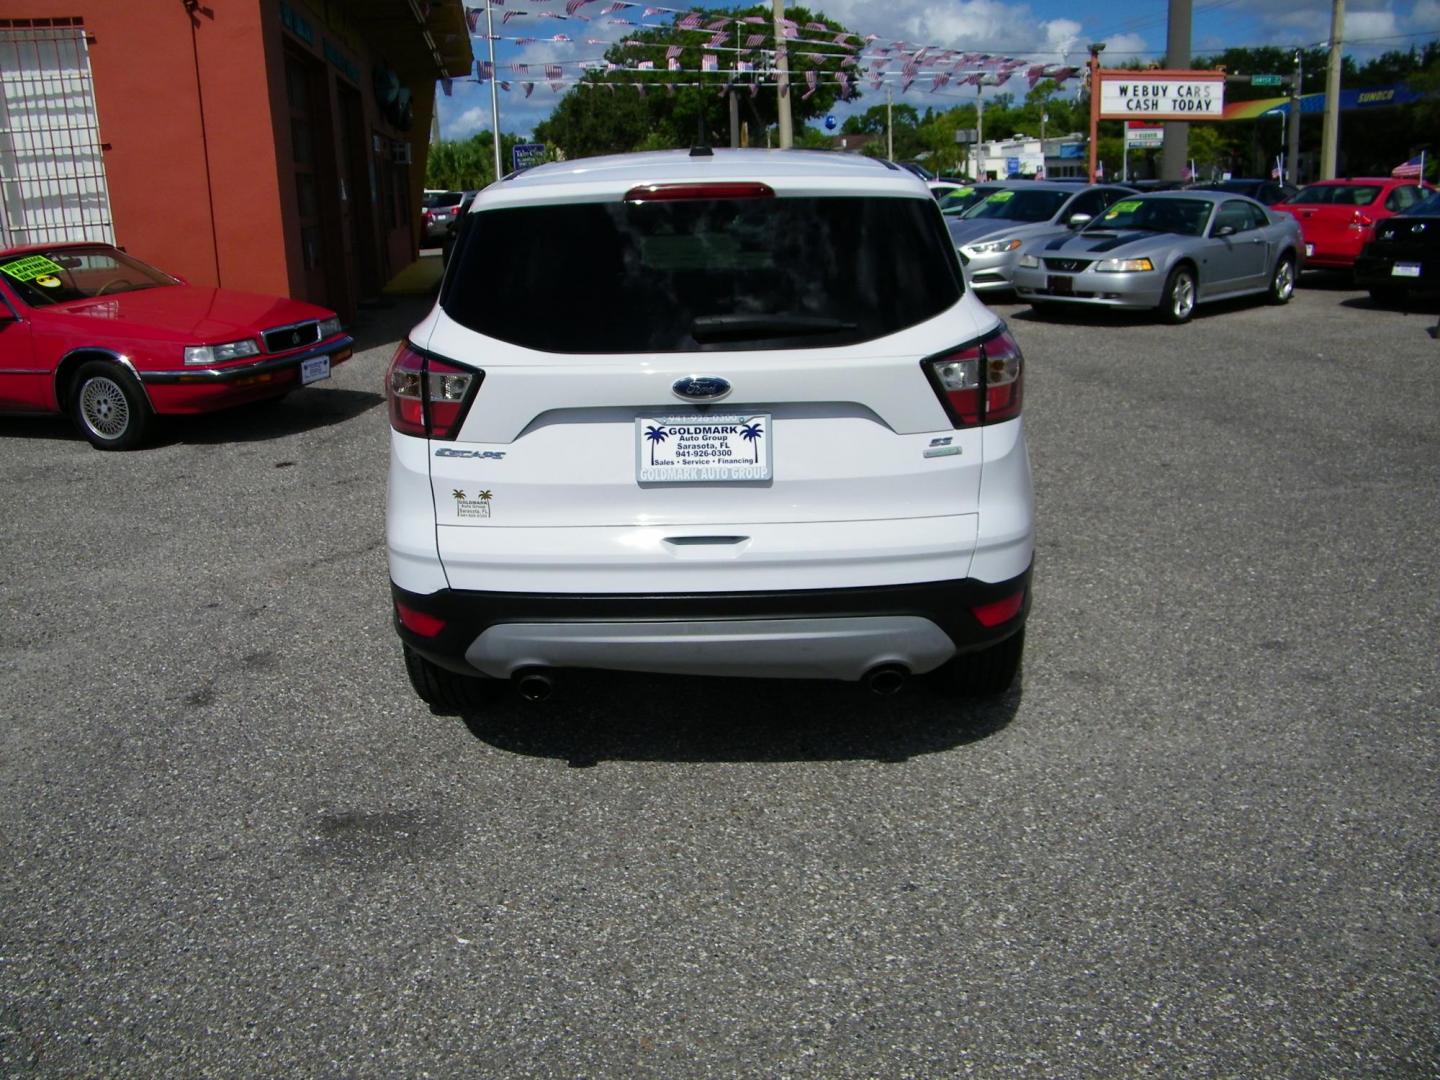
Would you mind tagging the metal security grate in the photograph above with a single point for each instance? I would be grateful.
(52, 168)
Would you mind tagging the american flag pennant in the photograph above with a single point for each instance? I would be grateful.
(673, 63)
(754, 40)
(940, 81)
(718, 40)
(744, 65)
(670, 89)
(645, 65)
(652, 11)
(849, 61)
(1062, 74)
(572, 6)
(877, 82)
(472, 19)
(611, 9)
(906, 84)
(689, 22)
(790, 29)
(813, 82)
(556, 86)
(840, 39)
(785, 89)
(512, 15)
(754, 20)
(718, 24)
(520, 68)
(563, 38)
(709, 62)
(672, 52)
(505, 85)
(1034, 74)
(871, 37)
(553, 71)
(525, 41)
(528, 87)
(485, 70)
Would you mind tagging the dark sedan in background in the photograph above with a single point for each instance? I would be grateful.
(1403, 261)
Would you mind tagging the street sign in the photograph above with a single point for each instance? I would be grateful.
(1142, 136)
(1267, 80)
(967, 135)
(526, 154)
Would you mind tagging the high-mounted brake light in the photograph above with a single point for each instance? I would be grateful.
(680, 192)
(428, 396)
(980, 383)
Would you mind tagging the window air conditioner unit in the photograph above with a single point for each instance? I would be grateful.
(400, 153)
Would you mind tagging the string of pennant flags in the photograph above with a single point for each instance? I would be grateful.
(869, 63)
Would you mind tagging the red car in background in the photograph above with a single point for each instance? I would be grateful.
(1337, 217)
(90, 331)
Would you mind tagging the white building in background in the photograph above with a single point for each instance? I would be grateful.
(1027, 156)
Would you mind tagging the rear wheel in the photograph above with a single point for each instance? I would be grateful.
(986, 673)
(1383, 297)
(444, 690)
(109, 407)
(1178, 302)
(1282, 281)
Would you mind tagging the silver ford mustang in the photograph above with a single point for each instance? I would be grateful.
(1169, 251)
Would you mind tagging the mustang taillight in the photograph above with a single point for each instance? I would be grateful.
(980, 383)
(428, 396)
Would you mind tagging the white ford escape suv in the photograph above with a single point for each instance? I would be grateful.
(715, 413)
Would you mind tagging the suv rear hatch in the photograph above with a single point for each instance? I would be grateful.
(818, 322)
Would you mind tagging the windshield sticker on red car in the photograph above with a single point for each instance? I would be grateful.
(36, 266)
(48, 281)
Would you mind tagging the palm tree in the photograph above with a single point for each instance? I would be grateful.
(655, 435)
(751, 434)
(458, 495)
(484, 496)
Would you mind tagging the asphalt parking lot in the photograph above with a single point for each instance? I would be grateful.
(1201, 839)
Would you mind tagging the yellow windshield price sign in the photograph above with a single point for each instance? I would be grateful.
(1001, 196)
(1126, 207)
(33, 267)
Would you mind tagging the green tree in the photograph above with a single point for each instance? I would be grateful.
(593, 118)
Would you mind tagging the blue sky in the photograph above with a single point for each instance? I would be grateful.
(1041, 31)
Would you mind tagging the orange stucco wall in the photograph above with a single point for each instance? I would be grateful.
(162, 114)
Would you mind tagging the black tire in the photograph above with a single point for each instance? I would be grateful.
(1383, 297)
(987, 673)
(109, 407)
(1282, 281)
(1047, 309)
(445, 691)
(1177, 303)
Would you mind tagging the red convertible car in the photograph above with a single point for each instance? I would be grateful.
(90, 331)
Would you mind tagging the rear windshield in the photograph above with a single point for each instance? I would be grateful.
(694, 275)
(1338, 194)
(442, 198)
(1019, 205)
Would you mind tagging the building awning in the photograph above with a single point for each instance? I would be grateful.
(424, 39)
(1375, 97)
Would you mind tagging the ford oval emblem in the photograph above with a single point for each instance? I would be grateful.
(701, 387)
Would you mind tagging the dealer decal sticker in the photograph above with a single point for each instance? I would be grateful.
(36, 266)
(468, 507)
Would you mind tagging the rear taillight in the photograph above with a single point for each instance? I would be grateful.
(979, 383)
(428, 396)
(1361, 220)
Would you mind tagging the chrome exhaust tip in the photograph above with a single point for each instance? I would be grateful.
(886, 679)
(533, 684)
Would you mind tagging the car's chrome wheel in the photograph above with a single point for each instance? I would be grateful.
(1282, 285)
(1179, 302)
(103, 407)
(108, 406)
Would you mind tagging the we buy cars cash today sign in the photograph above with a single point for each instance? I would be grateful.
(1162, 95)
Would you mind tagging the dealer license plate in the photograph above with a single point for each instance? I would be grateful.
(1405, 270)
(314, 369)
(1309, 250)
(703, 449)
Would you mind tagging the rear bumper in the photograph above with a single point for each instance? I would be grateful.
(829, 633)
(1376, 271)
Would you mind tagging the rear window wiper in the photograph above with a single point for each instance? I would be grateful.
(742, 327)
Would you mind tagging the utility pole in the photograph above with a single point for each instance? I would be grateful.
(889, 123)
(1330, 137)
(494, 92)
(782, 78)
(1292, 134)
(1176, 152)
(732, 92)
(979, 114)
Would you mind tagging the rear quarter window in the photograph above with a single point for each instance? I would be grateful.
(620, 277)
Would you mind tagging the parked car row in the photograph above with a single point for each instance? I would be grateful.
(1174, 248)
